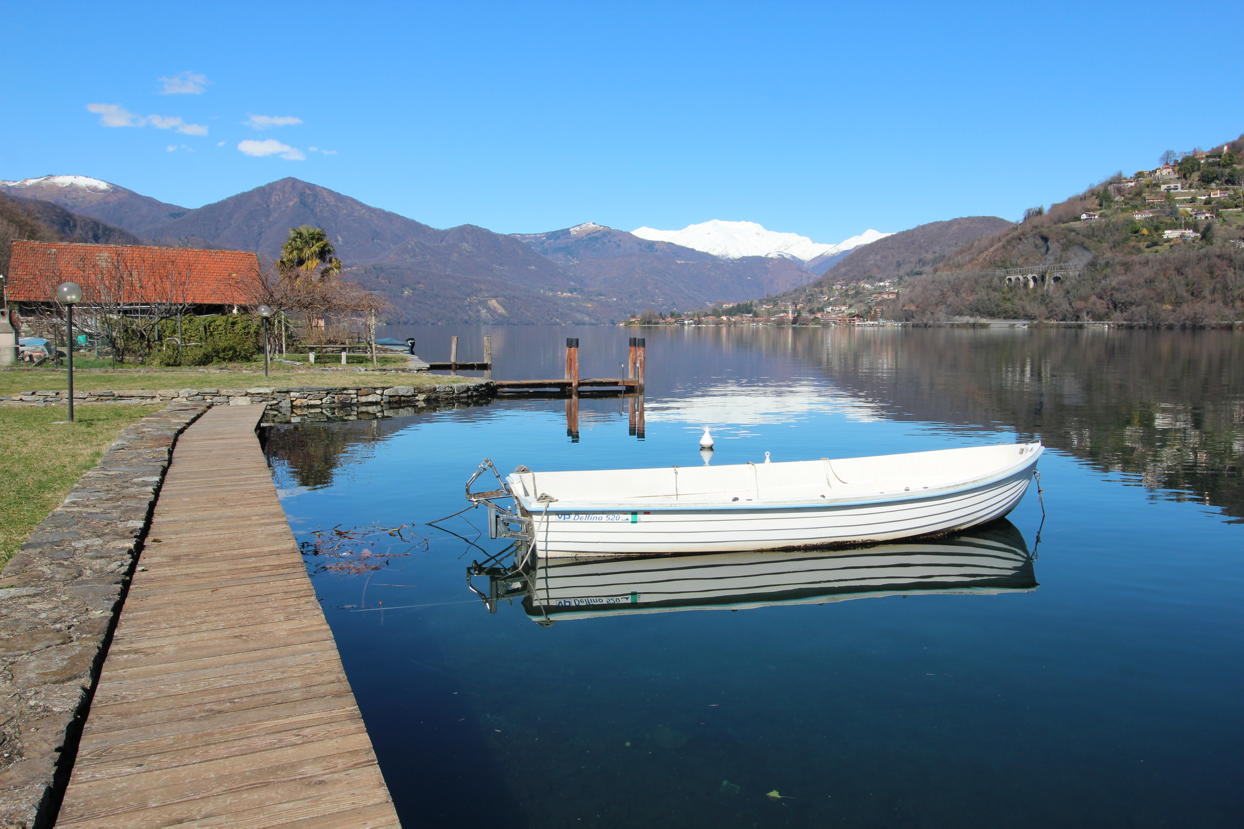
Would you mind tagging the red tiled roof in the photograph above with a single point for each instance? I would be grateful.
(133, 274)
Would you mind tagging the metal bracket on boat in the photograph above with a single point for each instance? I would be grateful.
(503, 521)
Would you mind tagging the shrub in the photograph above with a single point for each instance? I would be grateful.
(220, 338)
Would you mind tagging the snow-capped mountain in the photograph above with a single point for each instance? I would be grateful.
(97, 199)
(734, 240)
(84, 182)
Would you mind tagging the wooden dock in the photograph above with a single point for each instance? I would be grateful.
(222, 700)
(615, 385)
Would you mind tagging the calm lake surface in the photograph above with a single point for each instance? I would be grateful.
(1100, 684)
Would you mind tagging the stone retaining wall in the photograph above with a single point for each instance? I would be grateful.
(294, 399)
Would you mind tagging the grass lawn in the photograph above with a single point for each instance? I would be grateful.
(20, 378)
(40, 460)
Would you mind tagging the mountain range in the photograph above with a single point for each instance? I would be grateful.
(736, 240)
(588, 273)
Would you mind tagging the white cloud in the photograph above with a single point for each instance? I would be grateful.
(185, 83)
(115, 115)
(172, 148)
(172, 122)
(321, 152)
(267, 122)
(270, 146)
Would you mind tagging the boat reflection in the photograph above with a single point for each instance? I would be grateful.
(991, 559)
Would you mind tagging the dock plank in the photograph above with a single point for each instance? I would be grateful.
(222, 700)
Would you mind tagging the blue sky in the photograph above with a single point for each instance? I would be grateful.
(818, 118)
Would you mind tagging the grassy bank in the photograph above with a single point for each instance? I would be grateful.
(40, 459)
(19, 379)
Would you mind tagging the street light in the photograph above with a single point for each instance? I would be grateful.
(265, 311)
(69, 294)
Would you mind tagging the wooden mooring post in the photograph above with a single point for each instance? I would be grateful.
(572, 364)
(488, 357)
(636, 357)
(453, 352)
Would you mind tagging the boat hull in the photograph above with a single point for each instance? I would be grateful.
(628, 530)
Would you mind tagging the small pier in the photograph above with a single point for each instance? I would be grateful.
(454, 364)
(222, 700)
(572, 384)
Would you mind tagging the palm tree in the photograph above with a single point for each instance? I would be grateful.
(307, 251)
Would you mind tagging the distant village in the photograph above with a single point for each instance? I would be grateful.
(838, 303)
(1170, 200)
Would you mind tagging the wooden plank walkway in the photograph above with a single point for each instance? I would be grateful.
(223, 701)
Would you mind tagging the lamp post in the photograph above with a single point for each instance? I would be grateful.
(70, 294)
(265, 311)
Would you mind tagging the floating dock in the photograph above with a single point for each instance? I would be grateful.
(222, 699)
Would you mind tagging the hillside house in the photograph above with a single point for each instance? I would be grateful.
(130, 279)
(1180, 233)
(1165, 171)
(1219, 194)
(1203, 215)
(1089, 215)
(1172, 186)
(1140, 215)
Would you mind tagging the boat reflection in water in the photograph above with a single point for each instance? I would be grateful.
(989, 559)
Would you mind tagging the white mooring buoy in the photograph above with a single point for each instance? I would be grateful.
(706, 440)
(766, 456)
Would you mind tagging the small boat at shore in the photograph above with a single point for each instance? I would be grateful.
(985, 561)
(756, 506)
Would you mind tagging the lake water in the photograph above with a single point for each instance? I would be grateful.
(1102, 686)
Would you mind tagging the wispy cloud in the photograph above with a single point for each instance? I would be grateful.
(270, 146)
(172, 148)
(115, 115)
(321, 152)
(185, 83)
(267, 122)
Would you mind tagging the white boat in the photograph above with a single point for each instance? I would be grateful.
(986, 561)
(758, 506)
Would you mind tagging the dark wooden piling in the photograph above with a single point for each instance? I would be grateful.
(641, 357)
(572, 364)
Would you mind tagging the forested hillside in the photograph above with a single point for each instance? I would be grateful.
(1163, 246)
(45, 222)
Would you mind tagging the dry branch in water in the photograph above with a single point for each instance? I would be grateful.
(360, 549)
